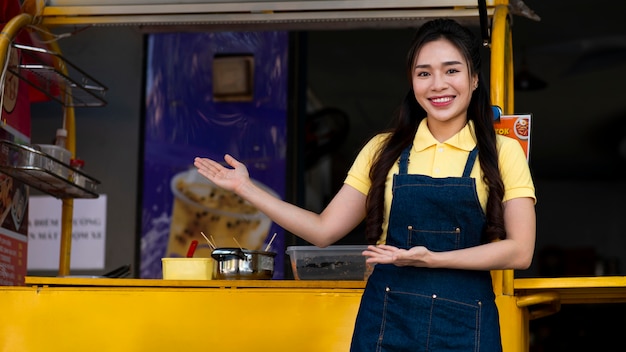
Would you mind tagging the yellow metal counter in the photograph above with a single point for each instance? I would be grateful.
(575, 290)
(94, 314)
(535, 298)
(102, 314)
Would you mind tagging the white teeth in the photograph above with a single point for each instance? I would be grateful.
(441, 100)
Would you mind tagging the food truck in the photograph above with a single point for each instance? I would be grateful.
(68, 312)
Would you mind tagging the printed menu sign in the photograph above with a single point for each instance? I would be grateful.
(516, 127)
(12, 258)
(13, 227)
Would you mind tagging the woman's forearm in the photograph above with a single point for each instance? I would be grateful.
(345, 211)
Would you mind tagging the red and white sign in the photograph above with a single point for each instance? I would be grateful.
(516, 127)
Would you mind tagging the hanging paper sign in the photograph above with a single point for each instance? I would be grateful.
(88, 233)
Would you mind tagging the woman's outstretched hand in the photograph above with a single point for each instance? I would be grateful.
(228, 178)
(384, 254)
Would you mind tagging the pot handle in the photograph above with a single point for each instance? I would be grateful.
(221, 254)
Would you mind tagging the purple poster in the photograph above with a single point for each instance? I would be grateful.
(208, 94)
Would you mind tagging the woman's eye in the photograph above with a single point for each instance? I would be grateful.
(453, 70)
(422, 74)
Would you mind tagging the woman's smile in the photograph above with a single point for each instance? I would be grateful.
(442, 101)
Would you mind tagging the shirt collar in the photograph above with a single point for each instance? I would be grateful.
(464, 139)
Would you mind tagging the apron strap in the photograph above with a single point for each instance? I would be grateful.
(403, 163)
(470, 162)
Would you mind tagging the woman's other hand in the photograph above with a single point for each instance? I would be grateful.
(384, 254)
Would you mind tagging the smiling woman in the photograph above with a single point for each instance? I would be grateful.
(432, 222)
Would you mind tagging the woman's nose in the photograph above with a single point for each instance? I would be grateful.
(439, 82)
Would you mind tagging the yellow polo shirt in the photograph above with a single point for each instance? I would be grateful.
(448, 159)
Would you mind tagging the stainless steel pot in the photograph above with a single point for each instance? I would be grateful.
(242, 264)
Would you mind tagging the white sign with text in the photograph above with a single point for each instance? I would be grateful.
(44, 233)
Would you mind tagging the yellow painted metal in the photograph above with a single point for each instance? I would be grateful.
(549, 303)
(10, 31)
(513, 324)
(67, 211)
(496, 279)
(513, 318)
(294, 13)
(577, 290)
(234, 284)
(135, 318)
(614, 282)
(502, 279)
(69, 124)
(502, 60)
(540, 298)
(132, 314)
(65, 248)
(302, 20)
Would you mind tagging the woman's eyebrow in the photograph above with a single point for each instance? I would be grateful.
(445, 63)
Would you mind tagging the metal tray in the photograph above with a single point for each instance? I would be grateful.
(45, 173)
(70, 87)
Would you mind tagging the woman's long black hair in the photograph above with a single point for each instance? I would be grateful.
(408, 118)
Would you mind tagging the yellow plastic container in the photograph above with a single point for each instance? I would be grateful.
(187, 268)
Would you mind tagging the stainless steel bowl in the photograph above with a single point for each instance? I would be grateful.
(242, 264)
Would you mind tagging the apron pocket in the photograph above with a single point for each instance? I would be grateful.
(457, 324)
(417, 322)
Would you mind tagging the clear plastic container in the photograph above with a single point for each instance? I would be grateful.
(339, 262)
(60, 154)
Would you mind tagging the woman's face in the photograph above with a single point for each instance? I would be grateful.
(443, 84)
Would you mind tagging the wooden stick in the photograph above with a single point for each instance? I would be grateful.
(207, 239)
(269, 244)
(238, 243)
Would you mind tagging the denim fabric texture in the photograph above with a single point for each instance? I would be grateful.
(422, 309)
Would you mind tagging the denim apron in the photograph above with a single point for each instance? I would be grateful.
(423, 309)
